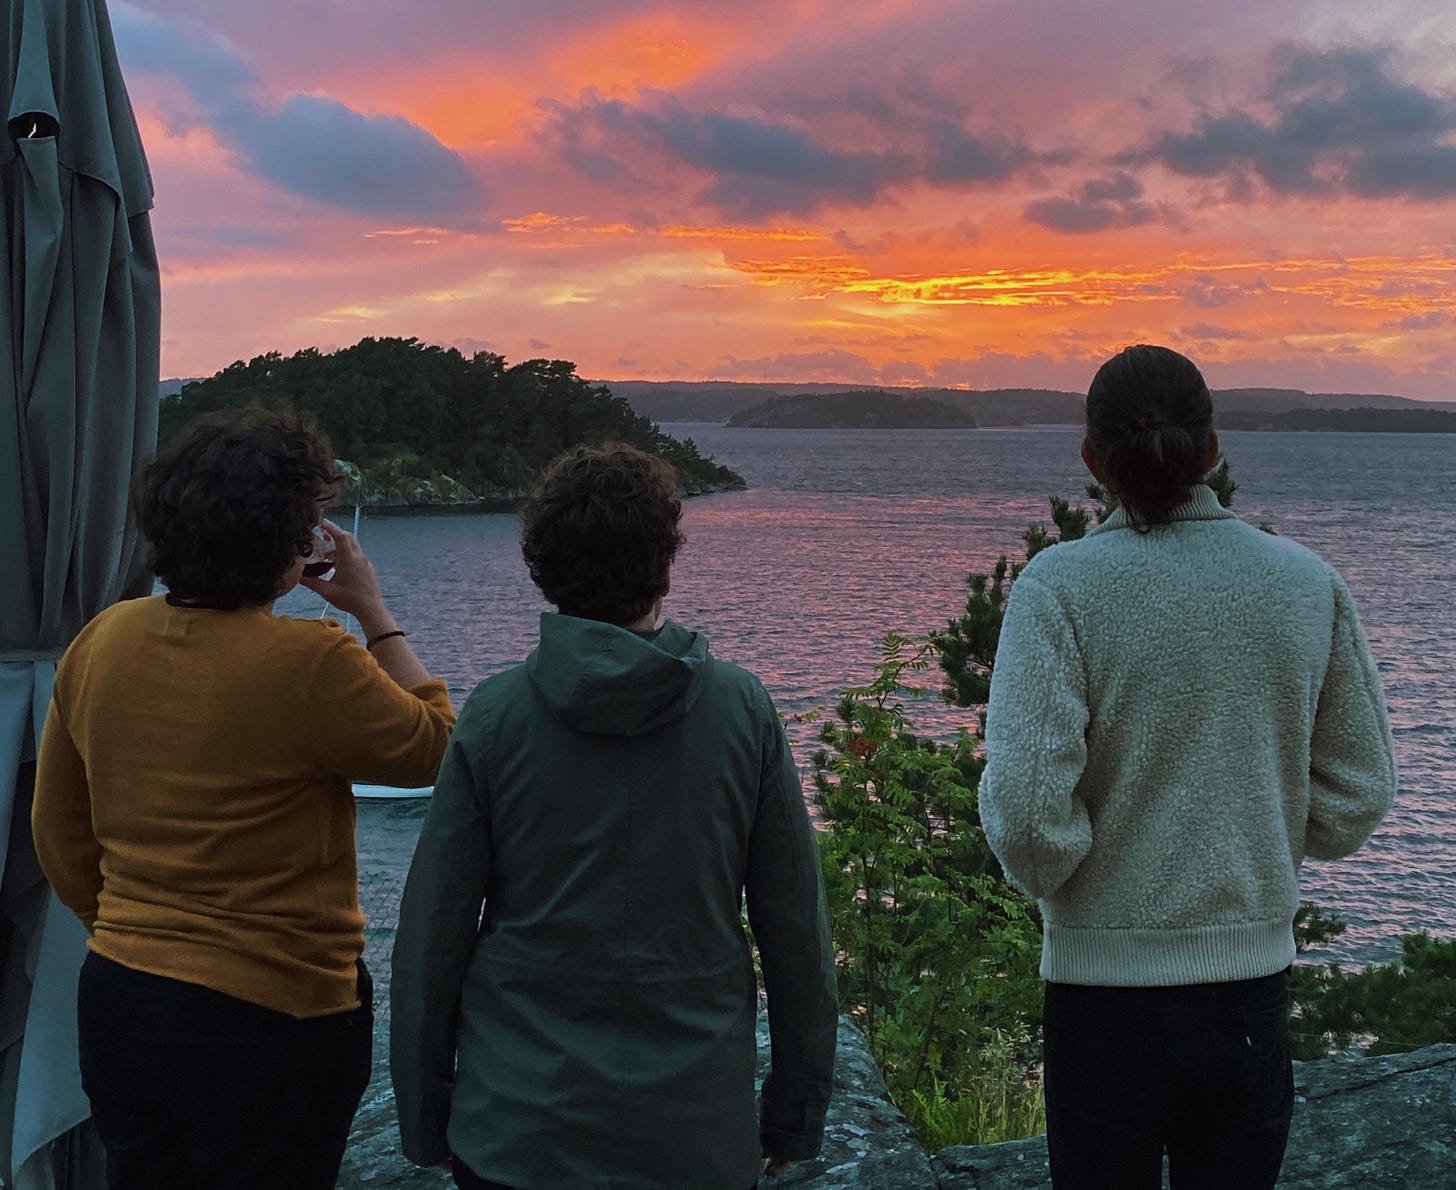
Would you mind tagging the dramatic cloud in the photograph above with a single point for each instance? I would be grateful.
(1209, 293)
(802, 367)
(1069, 370)
(1424, 322)
(1331, 120)
(1207, 332)
(760, 167)
(956, 155)
(905, 372)
(309, 145)
(473, 347)
(1098, 205)
(763, 164)
(926, 123)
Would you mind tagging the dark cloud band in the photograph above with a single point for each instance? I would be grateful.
(309, 145)
(1331, 120)
(781, 161)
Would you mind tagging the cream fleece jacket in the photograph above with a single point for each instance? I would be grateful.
(1176, 720)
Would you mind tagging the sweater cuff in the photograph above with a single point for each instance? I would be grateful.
(790, 1131)
(1101, 956)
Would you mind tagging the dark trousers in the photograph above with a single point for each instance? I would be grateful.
(1200, 1073)
(191, 1089)
(467, 1179)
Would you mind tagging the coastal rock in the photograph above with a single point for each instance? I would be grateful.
(405, 485)
(1387, 1121)
(1361, 1123)
(1013, 1165)
(1358, 1123)
(402, 481)
(868, 1145)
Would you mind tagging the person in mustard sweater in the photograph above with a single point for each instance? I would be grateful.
(193, 808)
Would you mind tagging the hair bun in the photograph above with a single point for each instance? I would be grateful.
(1149, 416)
(1168, 448)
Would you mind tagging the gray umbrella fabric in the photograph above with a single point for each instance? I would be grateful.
(80, 336)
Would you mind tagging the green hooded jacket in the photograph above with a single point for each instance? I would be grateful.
(573, 995)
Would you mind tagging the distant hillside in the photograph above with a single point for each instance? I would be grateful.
(864, 409)
(1279, 399)
(717, 401)
(1367, 420)
(1014, 406)
(689, 400)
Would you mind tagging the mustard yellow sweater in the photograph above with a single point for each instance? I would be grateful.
(192, 799)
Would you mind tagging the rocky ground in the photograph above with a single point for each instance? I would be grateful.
(1359, 1124)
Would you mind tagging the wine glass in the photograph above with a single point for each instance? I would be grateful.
(318, 559)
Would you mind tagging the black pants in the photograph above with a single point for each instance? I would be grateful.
(467, 1179)
(1200, 1073)
(191, 1089)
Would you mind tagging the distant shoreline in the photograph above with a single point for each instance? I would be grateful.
(1361, 420)
(1070, 426)
(461, 508)
(490, 504)
(858, 410)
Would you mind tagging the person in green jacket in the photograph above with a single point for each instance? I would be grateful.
(573, 1001)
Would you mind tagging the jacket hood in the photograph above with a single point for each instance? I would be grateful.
(610, 681)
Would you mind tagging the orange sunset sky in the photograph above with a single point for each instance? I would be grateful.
(976, 193)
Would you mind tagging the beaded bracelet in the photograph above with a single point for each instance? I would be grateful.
(384, 636)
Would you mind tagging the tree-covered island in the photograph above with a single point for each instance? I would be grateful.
(1363, 420)
(416, 425)
(866, 409)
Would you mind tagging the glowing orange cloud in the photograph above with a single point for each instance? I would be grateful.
(467, 101)
(541, 221)
(546, 221)
(760, 234)
(1387, 283)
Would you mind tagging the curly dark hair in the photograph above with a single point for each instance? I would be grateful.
(1149, 415)
(600, 530)
(228, 506)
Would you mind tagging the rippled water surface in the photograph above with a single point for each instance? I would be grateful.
(846, 535)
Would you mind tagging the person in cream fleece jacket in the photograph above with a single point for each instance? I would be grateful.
(1183, 708)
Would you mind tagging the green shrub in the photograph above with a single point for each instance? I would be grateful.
(937, 952)
(1387, 1008)
(994, 1101)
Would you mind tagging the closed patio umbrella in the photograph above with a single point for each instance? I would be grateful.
(80, 340)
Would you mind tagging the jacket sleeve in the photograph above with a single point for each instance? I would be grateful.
(439, 918)
(1352, 777)
(786, 909)
(369, 728)
(60, 821)
(1036, 744)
